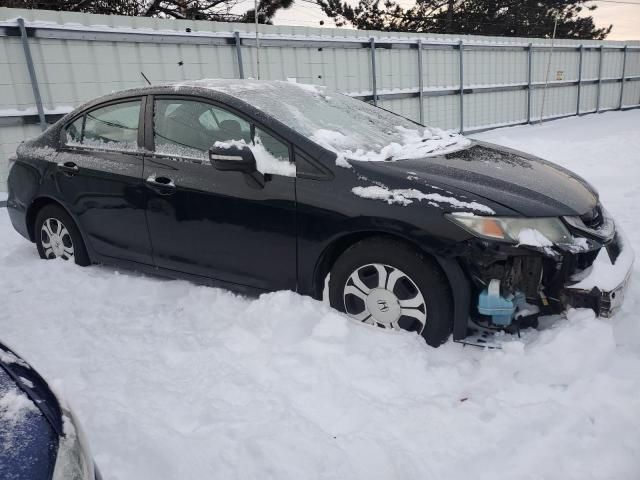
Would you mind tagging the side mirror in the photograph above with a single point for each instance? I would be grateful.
(233, 158)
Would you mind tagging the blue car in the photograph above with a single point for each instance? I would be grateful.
(40, 439)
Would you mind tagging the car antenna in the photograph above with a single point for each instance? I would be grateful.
(145, 77)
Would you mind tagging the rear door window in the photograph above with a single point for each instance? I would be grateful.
(113, 127)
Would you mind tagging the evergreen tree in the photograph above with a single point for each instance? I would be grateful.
(523, 18)
(217, 10)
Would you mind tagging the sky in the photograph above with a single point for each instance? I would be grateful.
(625, 17)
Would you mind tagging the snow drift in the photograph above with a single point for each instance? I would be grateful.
(174, 381)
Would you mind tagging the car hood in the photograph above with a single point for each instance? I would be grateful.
(518, 181)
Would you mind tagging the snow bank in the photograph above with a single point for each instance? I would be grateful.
(406, 196)
(175, 381)
(201, 380)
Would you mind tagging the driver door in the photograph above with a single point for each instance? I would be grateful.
(213, 223)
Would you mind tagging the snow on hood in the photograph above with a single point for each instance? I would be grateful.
(15, 407)
(406, 196)
(420, 142)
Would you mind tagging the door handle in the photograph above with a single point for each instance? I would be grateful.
(68, 168)
(162, 185)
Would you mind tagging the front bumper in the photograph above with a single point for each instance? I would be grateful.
(592, 272)
(603, 287)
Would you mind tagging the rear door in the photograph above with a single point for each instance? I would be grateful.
(213, 223)
(99, 176)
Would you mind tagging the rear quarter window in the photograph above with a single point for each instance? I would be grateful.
(113, 127)
(74, 132)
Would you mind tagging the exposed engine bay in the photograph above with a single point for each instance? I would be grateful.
(513, 285)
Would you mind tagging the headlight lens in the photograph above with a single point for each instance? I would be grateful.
(74, 461)
(514, 229)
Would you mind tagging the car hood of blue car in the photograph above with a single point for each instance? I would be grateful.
(30, 421)
(525, 184)
(33, 385)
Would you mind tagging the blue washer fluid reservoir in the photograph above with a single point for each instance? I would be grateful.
(499, 308)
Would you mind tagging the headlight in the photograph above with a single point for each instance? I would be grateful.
(74, 461)
(529, 231)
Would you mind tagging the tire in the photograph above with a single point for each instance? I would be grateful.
(416, 294)
(57, 236)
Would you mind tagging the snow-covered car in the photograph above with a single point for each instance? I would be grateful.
(40, 439)
(262, 186)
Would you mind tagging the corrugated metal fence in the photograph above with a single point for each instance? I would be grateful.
(51, 61)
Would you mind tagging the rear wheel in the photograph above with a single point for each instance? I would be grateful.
(57, 236)
(390, 285)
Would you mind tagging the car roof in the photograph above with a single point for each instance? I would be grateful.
(216, 88)
(226, 91)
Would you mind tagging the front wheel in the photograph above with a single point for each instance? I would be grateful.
(57, 236)
(390, 285)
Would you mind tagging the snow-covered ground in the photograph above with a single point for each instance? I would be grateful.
(177, 381)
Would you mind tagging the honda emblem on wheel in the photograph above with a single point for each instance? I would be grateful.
(382, 305)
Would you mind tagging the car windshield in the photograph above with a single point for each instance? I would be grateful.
(349, 127)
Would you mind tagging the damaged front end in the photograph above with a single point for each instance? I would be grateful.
(522, 268)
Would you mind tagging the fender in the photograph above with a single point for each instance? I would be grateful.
(460, 293)
(458, 282)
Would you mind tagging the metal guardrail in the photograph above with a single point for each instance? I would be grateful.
(240, 39)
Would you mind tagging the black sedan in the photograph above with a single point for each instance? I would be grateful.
(39, 438)
(261, 186)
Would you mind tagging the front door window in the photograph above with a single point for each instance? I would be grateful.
(189, 128)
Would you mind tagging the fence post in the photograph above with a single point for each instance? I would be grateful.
(579, 79)
(236, 35)
(599, 80)
(372, 48)
(420, 82)
(460, 47)
(624, 69)
(32, 73)
(529, 74)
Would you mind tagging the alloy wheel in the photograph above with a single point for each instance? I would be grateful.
(56, 240)
(385, 296)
